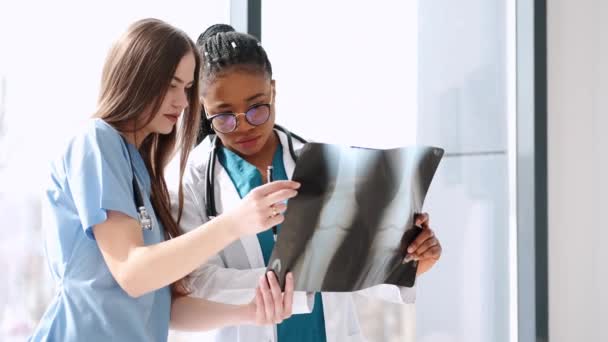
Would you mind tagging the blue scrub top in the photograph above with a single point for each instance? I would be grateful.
(92, 176)
(246, 177)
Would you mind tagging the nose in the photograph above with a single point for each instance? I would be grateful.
(181, 101)
(242, 124)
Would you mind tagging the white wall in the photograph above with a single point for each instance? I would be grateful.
(578, 166)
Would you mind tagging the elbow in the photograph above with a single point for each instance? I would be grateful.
(131, 285)
(176, 319)
(176, 324)
(134, 293)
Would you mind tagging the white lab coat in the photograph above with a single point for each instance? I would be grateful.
(232, 275)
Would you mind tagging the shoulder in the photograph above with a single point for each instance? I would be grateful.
(96, 142)
(99, 134)
(199, 156)
(284, 136)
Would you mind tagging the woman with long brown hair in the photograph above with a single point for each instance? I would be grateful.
(116, 253)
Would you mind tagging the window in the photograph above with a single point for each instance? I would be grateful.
(394, 73)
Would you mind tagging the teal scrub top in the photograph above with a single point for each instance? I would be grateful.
(92, 176)
(246, 177)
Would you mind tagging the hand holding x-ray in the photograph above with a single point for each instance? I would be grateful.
(355, 211)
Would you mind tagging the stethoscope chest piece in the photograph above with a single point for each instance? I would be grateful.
(145, 221)
(144, 218)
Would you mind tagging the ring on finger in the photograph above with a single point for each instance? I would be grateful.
(274, 212)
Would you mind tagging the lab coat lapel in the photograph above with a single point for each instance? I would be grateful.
(227, 198)
(288, 161)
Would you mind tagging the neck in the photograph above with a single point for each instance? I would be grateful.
(263, 158)
(135, 138)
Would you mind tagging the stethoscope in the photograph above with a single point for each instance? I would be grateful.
(210, 208)
(144, 218)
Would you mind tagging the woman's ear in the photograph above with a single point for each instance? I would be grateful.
(273, 85)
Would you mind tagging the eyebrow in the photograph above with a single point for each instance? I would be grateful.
(249, 99)
(253, 97)
(181, 81)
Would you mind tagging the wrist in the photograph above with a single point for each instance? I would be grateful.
(230, 224)
(246, 314)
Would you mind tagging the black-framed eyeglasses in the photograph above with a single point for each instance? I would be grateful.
(256, 115)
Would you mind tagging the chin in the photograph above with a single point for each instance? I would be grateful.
(165, 130)
(249, 151)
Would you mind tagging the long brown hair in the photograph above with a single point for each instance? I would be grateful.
(136, 76)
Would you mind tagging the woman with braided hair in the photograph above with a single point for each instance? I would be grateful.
(239, 140)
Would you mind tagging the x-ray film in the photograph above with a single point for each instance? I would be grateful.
(346, 229)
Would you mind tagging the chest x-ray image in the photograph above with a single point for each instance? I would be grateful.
(354, 212)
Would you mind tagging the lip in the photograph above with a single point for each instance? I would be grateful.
(172, 117)
(248, 141)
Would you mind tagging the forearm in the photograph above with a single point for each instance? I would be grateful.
(234, 286)
(194, 314)
(225, 285)
(148, 268)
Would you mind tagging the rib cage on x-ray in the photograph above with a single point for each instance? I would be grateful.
(343, 231)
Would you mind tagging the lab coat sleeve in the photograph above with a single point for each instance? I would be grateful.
(217, 283)
(213, 280)
(391, 293)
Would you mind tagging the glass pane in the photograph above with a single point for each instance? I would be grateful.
(389, 73)
(463, 107)
(355, 65)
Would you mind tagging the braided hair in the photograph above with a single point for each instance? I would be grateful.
(224, 50)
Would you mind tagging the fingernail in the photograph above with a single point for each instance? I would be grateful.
(407, 259)
(289, 275)
(410, 249)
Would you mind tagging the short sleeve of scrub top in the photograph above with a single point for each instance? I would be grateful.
(99, 177)
(92, 176)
